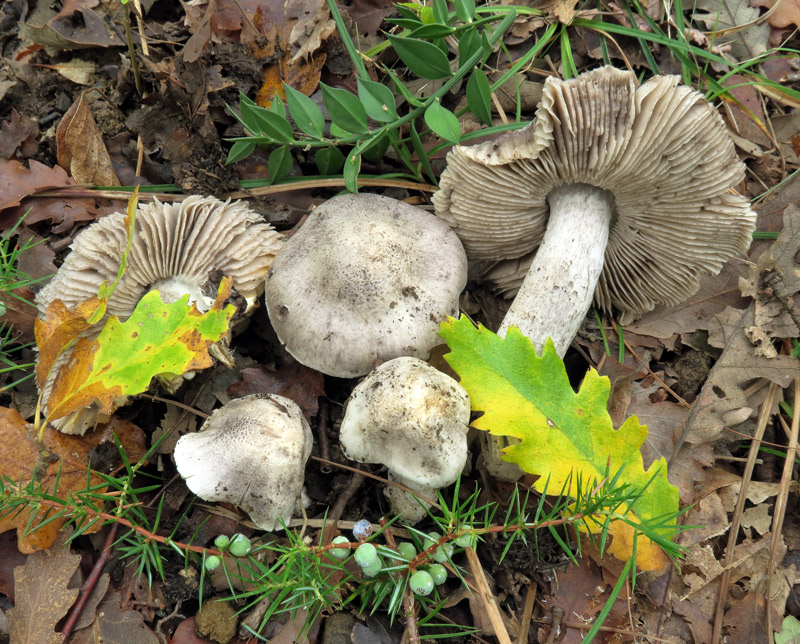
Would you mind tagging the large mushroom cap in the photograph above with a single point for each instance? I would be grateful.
(365, 279)
(174, 249)
(413, 419)
(252, 453)
(660, 149)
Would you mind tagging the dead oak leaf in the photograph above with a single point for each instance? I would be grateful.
(80, 146)
(722, 401)
(17, 181)
(18, 136)
(42, 595)
(786, 15)
(114, 624)
(69, 456)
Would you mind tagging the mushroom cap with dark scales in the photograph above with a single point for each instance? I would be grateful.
(365, 279)
(660, 149)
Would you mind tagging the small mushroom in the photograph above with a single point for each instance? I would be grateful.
(626, 191)
(176, 246)
(252, 453)
(365, 279)
(413, 419)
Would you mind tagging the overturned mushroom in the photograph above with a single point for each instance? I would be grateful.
(174, 250)
(252, 453)
(365, 279)
(626, 191)
(413, 419)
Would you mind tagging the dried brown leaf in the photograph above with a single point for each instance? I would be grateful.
(787, 13)
(18, 136)
(118, 625)
(722, 401)
(69, 455)
(80, 146)
(290, 379)
(42, 595)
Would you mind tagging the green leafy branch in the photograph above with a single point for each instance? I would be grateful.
(349, 113)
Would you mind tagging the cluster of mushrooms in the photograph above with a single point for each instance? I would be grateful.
(615, 193)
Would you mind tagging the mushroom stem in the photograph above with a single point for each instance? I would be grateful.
(558, 289)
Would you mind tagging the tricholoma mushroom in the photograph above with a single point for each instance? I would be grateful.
(252, 453)
(625, 190)
(174, 249)
(413, 419)
(365, 279)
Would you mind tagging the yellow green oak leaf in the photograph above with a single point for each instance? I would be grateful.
(121, 361)
(566, 437)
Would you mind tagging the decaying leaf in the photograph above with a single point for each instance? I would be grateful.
(156, 339)
(114, 624)
(722, 401)
(42, 595)
(18, 135)
(786, 14)
(81, 149)
(291, 379)
(745, 42)
(566, 437)
(69, 455)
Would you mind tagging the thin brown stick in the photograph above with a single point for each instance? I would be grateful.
(527, 613)
(725, 579)
(779, 512)
(489, 601)
(90, 583)
(85, 190)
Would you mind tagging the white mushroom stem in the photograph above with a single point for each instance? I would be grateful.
(558, 289)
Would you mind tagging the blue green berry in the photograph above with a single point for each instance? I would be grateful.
(340, 553)
(239, 545)
(212, 562)
(421, 583)
(366, 555)
(438, 573)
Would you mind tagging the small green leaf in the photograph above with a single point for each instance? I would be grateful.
(440, 11)
(468, 44)
(279, 164)
(377, 149)
(443, 122)
(277, 106)
(268, 123)
(465, 10)
(244, 99)
(378, 101)
(345, 109)
(405, 23)
(352, 166)
(305, 112)
(434, 30)
(416, 142)
(479, 96)
(329, 160)
(240, 150)
(790, 631)
(424, 59)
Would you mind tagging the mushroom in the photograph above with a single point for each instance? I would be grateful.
(626, 191)
(365, 279)
(413, 419)
(251, 452)
(174, 249)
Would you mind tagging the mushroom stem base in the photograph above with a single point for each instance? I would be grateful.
(559, 287)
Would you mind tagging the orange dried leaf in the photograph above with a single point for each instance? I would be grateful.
(69, 455)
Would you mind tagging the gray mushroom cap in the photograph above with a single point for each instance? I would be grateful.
(174, 249)
(659, 149)
(252, 453)
(365, 279)
(413, 419)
